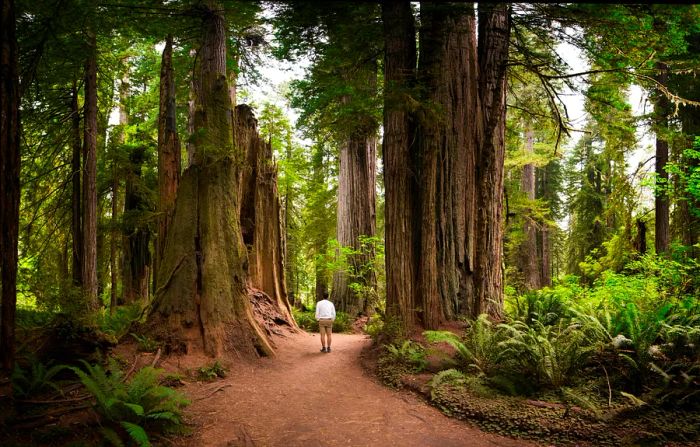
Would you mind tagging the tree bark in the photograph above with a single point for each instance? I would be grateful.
(137, 255)
(9, 180)
(76, 197)
(89, 271)
(201, 298)
(168, 151)
(529, 264)
(261, 224)
(661, 200)
(494, 32)
(399, 173)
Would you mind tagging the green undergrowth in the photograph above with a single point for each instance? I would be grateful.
(307, 321)
(612, 362)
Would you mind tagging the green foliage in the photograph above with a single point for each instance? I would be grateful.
(410, 354)
(477, 350)
(37, 378)
(131, 408)
(307, 321)
(118, 323)
(145, 343)
(211, 372)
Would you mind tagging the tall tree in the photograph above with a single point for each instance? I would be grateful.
(76, 201)
(398, 155)
(494, 32)
(200, 296)
(661, 201)
(89, 221)
(9, 180)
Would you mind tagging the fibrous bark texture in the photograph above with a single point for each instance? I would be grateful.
(494, 31)
(137, 256)
(76, 201)
(201, 297)
(9, 181)
(89, 267)
(261, 223)
(168, 149)
(528, 259)
(399, 172)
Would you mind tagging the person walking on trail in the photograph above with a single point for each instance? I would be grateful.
(325, 314)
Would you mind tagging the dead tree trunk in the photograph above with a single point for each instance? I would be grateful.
(201, 298)
(494, 31)
(168, 151)
(89, 268)
(9, 181)
(261, 223)
(399, 171)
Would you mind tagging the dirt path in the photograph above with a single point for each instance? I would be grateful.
(308, 398)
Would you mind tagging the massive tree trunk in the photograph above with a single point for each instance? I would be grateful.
(168, 151)
(137, 255)
(528, 258)
(9, 181)
(448, 130)
(355, 217)
(89, 268)
(76, 201)
(261, 224)
(399, 172)
(661, 201)
(494, 31)
(201, 297)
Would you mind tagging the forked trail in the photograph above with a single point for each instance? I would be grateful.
(308, 398)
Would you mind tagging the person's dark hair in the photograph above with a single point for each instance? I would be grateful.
(325, 295)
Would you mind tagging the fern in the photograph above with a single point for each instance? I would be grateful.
(36, 379)
(409, 353)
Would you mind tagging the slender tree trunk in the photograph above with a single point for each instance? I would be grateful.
(9, 181)
(168, 151)
(661, 201)
(201, 298)
(529, 264)
(114, 236)
(494, 31)
(90, 177)
(399, 173)
(137, 256)
(76, 197)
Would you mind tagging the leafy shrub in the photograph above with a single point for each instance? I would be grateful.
(132, 408)
(117, 324)
(307, 321)
(477, 350)
(35, 379)
(145, 343)
(212, 372)
(410, 354)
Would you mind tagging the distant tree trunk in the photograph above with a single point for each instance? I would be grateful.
(201, 298)
(640, 241)
(90, 177)
(168, 151)
(9, 181)
(528, 261)
(544, 245)
(114, 237)
(76, 197)
(261, 224)
(661, 201)
(494, 31)
(399, 178)
(355, 216)
(137, 256)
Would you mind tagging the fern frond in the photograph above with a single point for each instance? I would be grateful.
(137, 433)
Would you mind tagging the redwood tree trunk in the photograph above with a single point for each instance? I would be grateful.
(137, 256)
(89, 271)
(528, 261)
(661, 201)
(494, 31)
(201, 298)
(261, 223)
(76, 200)
(9, 181)
(399, 172)
(168, 151)
(355, 216)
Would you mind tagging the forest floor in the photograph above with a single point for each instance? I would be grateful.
(304, 397)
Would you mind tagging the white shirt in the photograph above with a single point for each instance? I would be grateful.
(325, 309)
